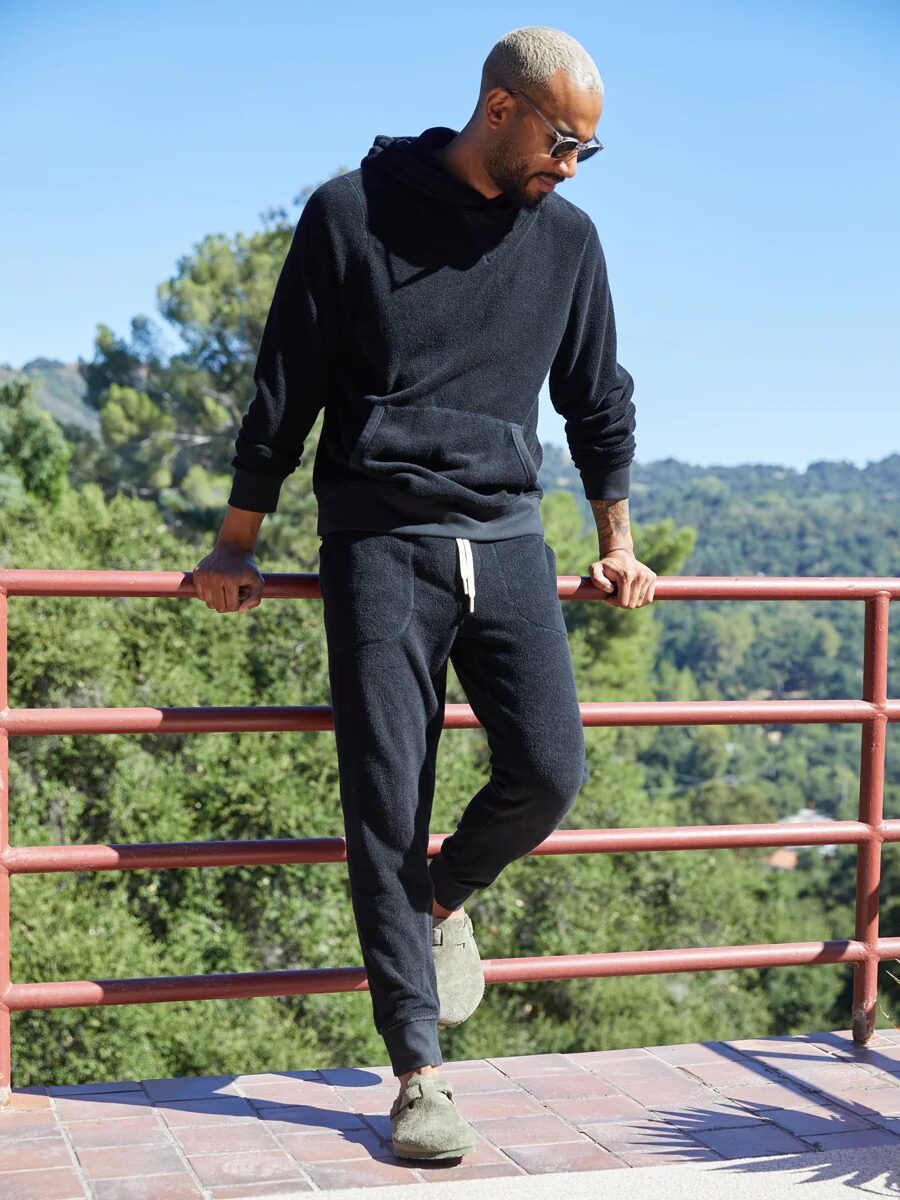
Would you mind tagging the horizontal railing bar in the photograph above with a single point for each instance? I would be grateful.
(31, 860)
(30, 722)
(104, 992)
(299, 585)
(664, 962)
(171, 584)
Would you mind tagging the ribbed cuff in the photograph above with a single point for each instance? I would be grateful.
(413, 1045)
(255, 492)
(614, 484)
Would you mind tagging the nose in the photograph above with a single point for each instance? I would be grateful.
(568, 166)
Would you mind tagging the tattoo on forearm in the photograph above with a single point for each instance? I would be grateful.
(613, 524)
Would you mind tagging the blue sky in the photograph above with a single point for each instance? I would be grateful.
(747, 199)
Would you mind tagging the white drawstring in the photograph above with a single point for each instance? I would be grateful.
(467, 570)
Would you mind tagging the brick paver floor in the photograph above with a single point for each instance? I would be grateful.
(239, 1136)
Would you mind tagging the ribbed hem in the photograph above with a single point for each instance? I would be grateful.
(413, 1045)
(385, 509)
(255, 492)
(447, 893)
(614, 484)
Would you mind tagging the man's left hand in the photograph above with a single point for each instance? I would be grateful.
(629, 583)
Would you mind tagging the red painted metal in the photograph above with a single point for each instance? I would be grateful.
(872, 712)
(5, 984)
(29, 722)
(570, 587)
(32, 860)
(871, 804)
(105, 992)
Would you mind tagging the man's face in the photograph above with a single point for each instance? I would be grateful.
(518, 158)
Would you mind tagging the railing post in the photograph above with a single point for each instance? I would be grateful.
(871, 811)
(5, 1031)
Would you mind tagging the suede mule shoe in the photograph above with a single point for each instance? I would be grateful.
(457, 964)
(425, 1122)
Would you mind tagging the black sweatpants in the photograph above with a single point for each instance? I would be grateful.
(397, 607)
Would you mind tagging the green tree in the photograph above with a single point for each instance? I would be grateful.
(168, 421)
(34, 454)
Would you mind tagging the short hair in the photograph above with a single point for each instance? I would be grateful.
(529, 56)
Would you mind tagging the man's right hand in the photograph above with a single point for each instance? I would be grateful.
(228, 580)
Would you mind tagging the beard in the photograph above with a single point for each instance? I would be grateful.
(509, 171)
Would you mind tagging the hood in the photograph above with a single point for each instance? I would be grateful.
(411, 160)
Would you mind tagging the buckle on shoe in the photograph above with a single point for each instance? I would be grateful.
(414, 1090)
(458, 929)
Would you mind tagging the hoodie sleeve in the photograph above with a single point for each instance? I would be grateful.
(300, 340)
(589, 387)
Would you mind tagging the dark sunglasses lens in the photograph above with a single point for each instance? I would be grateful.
(583, 154)
(565, 148)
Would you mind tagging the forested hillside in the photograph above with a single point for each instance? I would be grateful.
(58, 387)
(145, 488)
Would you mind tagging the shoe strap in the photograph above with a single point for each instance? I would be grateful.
(452, 931)
(415, 1090)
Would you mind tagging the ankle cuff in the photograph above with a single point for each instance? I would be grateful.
(413, 1044)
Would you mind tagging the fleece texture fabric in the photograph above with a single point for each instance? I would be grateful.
(395, 614)
(424, 318)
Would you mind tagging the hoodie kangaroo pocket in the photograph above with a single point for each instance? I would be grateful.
(478, 460)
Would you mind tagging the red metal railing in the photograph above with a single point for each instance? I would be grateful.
(872, 713)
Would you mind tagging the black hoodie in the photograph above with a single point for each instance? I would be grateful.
(424, 318)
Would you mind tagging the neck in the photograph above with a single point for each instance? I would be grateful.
(461, 157)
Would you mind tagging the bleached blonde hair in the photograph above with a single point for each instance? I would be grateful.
(528, 57)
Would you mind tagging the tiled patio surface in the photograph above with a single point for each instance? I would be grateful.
(288, 1132)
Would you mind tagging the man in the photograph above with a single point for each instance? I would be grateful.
(424, 299)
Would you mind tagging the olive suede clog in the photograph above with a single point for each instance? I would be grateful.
(457, 964)
(425, 1122)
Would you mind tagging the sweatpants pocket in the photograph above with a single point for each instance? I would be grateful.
(368, 587)
(528, 569)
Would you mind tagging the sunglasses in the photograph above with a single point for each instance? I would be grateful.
(565, 145)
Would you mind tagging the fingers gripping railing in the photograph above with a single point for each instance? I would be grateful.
(872, 712)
